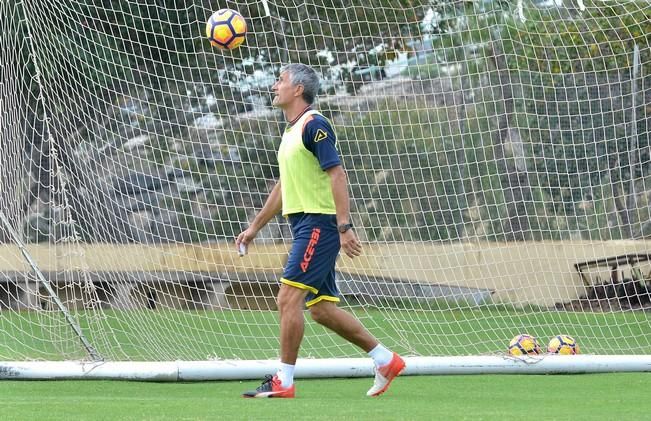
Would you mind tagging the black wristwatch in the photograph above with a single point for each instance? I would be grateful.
(342, 228)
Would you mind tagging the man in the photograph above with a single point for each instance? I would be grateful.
(313, 194)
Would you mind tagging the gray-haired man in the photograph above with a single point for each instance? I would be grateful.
(313, 195)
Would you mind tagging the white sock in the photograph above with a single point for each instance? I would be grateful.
(286, 374)
(381, 356)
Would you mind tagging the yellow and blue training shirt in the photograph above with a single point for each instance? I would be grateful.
(307, 150)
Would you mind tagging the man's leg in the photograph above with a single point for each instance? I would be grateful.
(341, 322)
(388, 364)
(291, 301)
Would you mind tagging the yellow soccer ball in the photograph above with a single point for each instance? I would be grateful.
(524, 345)
(563, 345)
(226, 29)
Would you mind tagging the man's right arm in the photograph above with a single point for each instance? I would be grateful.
(272, 206)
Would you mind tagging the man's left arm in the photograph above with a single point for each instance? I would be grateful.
(320, 139)
(339, 183)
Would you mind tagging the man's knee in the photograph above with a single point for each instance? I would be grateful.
(290, 297)
(321, 311)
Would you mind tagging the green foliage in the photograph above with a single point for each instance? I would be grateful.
(571, 81)
(111, 70)
(403, 172)
(599, 39)
(224, 223)
(575, 111)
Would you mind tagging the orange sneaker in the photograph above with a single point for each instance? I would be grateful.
(271, 387)
(385, 374)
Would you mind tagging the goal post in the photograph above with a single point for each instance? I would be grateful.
(171, 371)
(497, 153)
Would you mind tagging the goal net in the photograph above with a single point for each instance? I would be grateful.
(497, 152)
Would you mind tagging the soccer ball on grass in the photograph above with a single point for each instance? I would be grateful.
(226, 29)
(563, 345)
(524, 345)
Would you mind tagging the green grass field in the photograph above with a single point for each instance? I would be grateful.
(472, 331)
(479, 397)
(194, 335)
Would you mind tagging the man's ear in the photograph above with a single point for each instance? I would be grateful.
(299, 90)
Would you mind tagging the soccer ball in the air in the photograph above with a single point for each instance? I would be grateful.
(524, 345)
(563, 345)
(226, 29)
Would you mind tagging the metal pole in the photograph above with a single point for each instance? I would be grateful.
(631, 202)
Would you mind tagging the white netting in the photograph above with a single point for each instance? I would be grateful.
(498, 155)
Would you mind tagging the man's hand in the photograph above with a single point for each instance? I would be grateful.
(244, 239)
(350, 244)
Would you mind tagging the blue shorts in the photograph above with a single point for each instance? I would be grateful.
(311, 262)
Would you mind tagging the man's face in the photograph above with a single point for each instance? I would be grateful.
(284, 91)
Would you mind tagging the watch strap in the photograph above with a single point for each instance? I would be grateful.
(342, 228)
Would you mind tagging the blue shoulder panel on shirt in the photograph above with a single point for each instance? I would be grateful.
(319, 138)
